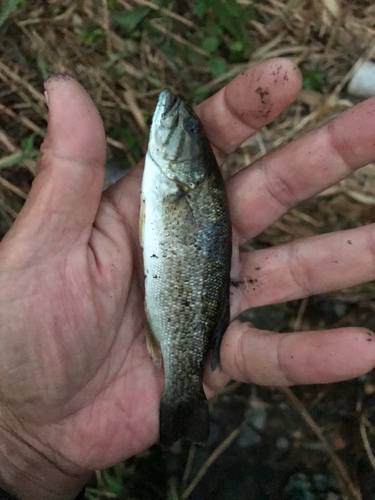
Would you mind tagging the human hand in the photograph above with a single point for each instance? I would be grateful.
(78, 391)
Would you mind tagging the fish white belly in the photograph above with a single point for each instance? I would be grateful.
(173, 273)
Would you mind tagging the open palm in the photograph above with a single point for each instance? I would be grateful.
(74, 365)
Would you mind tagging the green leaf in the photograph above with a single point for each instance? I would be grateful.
(27, 145)
(129, 137)
(201, 94)
(195, 58)
(130, 20)
(210, 43)
(89, 36)
(200, 8)
(7, 8)
(12, 160)
(155, 82)
(232, 23)
(312, 80)
(233, 8)
(213, 28)
(114, 484)
(168, 51)
(236, 46)
(42, 65)
(218, 66)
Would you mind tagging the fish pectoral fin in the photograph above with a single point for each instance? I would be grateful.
(153, 348)
(141, 220)
(217, 335)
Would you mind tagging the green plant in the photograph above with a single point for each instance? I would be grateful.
(312, 80)
(28, 151)
(87, 37)
(7, 8)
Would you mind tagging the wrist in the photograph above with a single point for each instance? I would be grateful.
(30, 470)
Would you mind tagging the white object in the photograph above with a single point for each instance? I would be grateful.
(362, 83)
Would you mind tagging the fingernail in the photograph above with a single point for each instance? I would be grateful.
(48, 84)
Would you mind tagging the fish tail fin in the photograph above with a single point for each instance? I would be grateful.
(183, 419)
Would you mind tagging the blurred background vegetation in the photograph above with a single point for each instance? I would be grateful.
(314, 442)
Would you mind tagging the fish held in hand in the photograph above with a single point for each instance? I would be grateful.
(186, 237)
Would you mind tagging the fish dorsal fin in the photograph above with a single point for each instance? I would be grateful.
(153, 348)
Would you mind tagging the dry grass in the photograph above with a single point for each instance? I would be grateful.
(124, 73)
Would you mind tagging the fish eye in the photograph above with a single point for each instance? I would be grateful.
(191, 125)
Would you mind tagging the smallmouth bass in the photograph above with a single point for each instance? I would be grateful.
(185, 232)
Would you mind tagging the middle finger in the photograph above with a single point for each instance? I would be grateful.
(262, 193)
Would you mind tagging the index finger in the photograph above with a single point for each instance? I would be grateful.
(248, 103)
(261, 194)
(229, 117)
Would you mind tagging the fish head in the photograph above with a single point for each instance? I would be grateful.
(177, 140)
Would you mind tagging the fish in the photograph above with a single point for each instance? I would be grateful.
(185, 233)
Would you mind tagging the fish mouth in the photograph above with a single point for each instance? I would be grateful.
(167, 103)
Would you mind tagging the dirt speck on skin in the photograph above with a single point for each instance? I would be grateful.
(236, 283)
(263, 94)
(59, 76)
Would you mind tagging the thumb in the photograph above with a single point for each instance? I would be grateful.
(66, 192)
